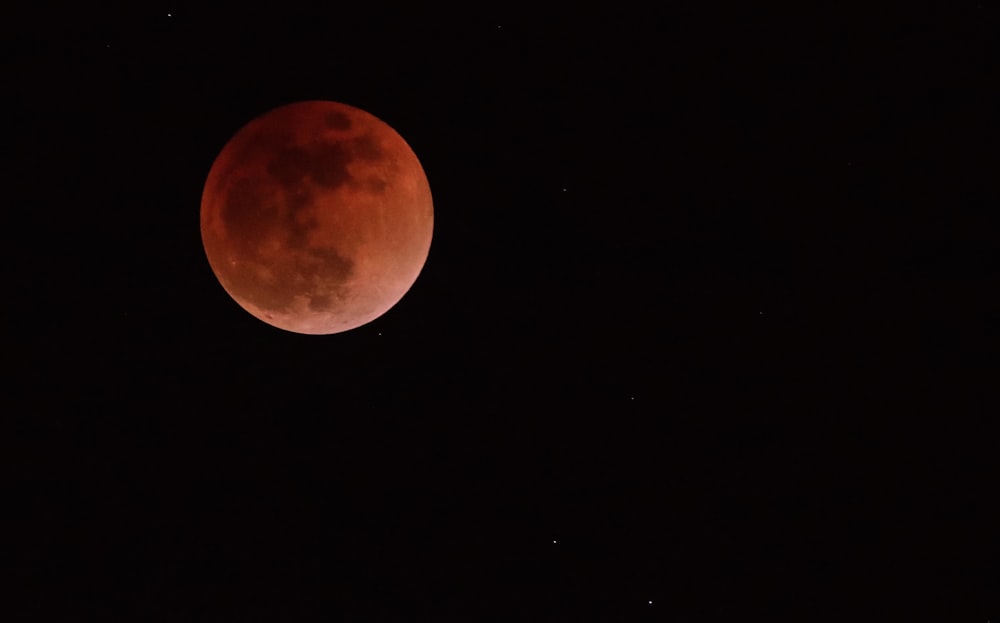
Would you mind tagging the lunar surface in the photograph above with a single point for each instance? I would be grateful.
(317, 217)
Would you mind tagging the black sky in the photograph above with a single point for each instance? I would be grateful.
(710, 319)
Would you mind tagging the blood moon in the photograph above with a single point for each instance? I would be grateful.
(316, 217)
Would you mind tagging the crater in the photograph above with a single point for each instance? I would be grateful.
(337, 121)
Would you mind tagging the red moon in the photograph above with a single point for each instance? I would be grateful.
(317, 217)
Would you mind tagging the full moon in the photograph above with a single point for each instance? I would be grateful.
(316, 217)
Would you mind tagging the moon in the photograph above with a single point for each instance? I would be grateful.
(317, 217)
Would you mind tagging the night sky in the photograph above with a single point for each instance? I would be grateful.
(708, 331)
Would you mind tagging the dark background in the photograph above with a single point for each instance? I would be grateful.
(710, 319)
